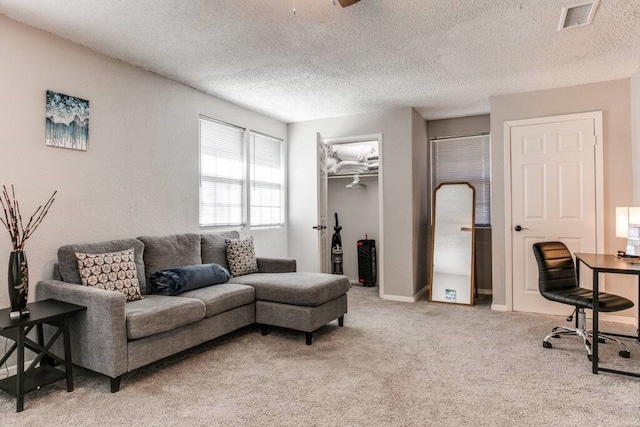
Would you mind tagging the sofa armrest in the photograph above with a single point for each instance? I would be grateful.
(276, 265)
(98, 335)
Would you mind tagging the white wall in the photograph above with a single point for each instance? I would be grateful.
(140, 175)
(396, 168)
(635, 135)
(421, 202)
(358, 216)
(613, 98)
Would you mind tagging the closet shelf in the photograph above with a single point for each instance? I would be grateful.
(350, 175)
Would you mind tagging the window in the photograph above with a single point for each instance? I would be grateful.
(266, 179)
(465, 159)
(236, 174)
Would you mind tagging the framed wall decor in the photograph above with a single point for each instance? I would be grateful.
(67, 121)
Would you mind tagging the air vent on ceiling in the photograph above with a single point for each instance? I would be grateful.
(578, 15)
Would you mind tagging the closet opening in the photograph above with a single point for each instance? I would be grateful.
(354, 193)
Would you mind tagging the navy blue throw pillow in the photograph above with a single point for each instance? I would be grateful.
(174, 281)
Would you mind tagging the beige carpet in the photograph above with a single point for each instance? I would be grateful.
(393, 364)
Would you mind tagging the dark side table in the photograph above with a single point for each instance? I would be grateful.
(51, 312)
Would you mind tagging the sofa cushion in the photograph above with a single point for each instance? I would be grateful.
(310, 289)
(68, 263)
(221, 298)
(174, 281)
(241, 256)
(112, 271)
(157, 313)
(214, 247)
(178, 250)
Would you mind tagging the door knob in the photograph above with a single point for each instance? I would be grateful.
(518, 228)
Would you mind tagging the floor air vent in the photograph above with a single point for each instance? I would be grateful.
(578, 15)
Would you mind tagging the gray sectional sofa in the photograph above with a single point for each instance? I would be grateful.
(115, 336)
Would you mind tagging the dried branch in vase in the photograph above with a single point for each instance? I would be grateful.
(13, 218)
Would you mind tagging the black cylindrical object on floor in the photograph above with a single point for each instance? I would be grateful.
(367, 262)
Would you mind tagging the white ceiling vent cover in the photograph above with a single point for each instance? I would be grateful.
(578, 15)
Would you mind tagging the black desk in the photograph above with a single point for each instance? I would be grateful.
(51, 312)
(605, 263)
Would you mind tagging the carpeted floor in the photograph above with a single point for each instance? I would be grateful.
(393, 364)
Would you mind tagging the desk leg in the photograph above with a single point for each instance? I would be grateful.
(578, 260)
(594, 342)
(638, 313)
(67, 355)
(20, 371)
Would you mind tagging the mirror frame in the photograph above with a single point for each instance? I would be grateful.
(472, 276)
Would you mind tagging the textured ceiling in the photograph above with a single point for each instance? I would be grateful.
(446, 58)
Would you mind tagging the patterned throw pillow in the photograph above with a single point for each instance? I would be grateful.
(241, 256)
(113, 271)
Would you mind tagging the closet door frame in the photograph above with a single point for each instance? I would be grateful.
(379, 245)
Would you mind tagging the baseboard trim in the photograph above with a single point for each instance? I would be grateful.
(397, 298)
(499, 307)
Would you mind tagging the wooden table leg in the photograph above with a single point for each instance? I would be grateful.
(67, 355)
(20, 371)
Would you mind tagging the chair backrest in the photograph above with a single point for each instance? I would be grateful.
(556, 269)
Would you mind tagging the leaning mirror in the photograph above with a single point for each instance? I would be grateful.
(452, 266)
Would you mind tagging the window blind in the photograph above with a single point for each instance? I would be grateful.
(222, 174)
(266, 181)
(465, 159)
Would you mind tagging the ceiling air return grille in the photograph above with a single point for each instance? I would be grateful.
(578, 15)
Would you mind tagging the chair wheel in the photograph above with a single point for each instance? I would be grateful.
(546, 344)
(624, 353)
(602, 340)
(590, 357)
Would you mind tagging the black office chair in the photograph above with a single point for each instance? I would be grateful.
(557, 282)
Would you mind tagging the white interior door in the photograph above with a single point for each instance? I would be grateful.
(553, 197)
(321, 224)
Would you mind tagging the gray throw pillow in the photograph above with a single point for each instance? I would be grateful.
(241, 256)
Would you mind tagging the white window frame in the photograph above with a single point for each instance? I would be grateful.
(248, 135)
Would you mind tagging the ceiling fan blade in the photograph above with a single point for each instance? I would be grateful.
(345, 3)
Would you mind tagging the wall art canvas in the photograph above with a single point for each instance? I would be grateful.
(67, 123)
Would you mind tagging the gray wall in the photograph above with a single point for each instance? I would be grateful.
(141, 173)
(397, 216)
(635, 135)
(613, 98)
(421, 203)
(358, 216)
(464, 126)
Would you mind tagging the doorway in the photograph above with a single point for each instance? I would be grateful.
(354, 192)
(554, 191)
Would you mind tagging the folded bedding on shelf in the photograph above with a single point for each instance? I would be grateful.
(332, 162)
(348, 152)
(350, 166)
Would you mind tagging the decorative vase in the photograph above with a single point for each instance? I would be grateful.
(18, 281)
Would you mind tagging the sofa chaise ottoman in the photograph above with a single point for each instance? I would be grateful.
(300, 301)
(116, 335)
